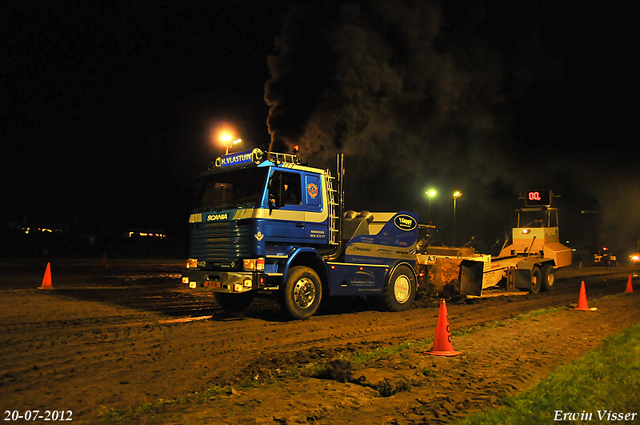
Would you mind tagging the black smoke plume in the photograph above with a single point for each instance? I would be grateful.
(379, 81)
(356, 75)
(415, 99)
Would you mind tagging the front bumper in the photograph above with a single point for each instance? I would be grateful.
(229, 282)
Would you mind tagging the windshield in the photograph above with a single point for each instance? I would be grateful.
(238, 188)
(541, 218)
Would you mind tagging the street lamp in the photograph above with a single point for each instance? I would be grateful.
(456, 195)
(226, 139)
(431, 193)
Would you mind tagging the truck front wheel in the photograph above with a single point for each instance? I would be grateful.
(234, 302)
(400, 289)
(302, 292)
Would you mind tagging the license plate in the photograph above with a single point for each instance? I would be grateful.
(212, 284)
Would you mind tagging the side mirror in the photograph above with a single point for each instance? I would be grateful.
(276, 194)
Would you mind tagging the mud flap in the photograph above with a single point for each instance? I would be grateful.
(522, 279)
(471, 277)
(511, 281)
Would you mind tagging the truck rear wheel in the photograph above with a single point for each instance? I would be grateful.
(548, 277)
(400, 289)
(536, 280)
(302, 292)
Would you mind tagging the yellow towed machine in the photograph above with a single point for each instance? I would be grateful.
(527, 264)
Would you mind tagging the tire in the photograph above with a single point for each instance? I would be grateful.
(400, 289)
(536, 280)
(234, 302)
(548, 277)
(302, 293)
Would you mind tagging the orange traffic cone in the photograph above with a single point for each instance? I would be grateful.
(582, 300)
(442, 342)
(46, 282)
(629, 285)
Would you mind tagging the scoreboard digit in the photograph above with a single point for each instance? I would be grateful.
(538, 198)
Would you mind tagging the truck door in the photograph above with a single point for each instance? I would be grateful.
(316, 227)
(287, 219)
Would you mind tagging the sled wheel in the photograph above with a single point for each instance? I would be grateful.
(536, 280)
(548, 276)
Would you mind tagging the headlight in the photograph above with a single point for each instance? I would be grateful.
(635, 257)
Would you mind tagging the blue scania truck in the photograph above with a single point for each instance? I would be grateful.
(265, 222)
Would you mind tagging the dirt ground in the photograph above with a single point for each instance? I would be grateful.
(121, 336)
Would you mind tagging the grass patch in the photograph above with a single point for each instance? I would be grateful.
(138, 414)
(503, 323)
(364, 357)
(606, 379)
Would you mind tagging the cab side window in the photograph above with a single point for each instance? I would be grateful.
(291, 188)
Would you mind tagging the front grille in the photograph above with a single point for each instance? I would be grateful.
(222, 242)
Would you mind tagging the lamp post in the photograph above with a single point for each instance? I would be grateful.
(431, 193)
(226, 139)
(456, 195)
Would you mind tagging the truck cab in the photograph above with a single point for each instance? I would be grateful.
(265, 222)
(538, 237)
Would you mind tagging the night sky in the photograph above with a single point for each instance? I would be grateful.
(107, 108)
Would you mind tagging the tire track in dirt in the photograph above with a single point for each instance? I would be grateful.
(423, 389)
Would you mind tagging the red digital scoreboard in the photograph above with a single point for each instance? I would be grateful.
(541, 198)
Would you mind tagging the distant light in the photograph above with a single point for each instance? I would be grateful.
(431, 193)
(457, 194)
(147, 234)
(225, 137)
